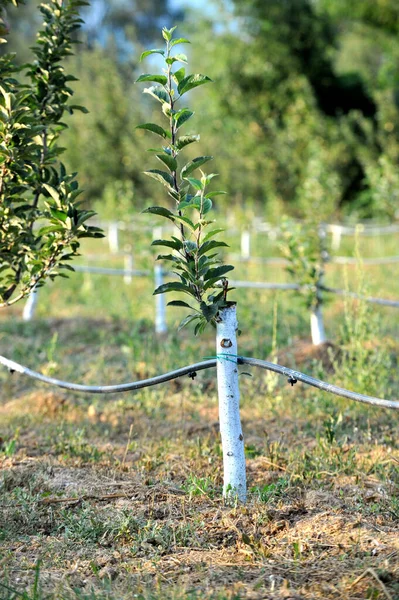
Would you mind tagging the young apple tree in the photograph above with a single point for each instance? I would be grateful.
(41, 222)
(200, 276)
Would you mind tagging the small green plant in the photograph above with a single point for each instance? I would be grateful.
(194, 261)
(271, 491)
(365, 362)
(40, 219)
(301, 246)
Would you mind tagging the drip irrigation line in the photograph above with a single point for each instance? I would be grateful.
(350, 260)
(339, 260)
(382, 301)
(292, 377)
(109, 271)
(263, 285)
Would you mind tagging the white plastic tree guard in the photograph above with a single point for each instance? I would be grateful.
(317, 326)
(128, 266)
(234, 484)
(30, 306)
(245, 245)
(113, 237)
(160, 303)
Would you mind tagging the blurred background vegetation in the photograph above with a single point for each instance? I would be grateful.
(302, 117)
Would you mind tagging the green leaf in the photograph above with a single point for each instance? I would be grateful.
(185, 221)
(215, 193)
(52, 191)
(187, 320)
(194, 164)
(195, 183)
(200, 327)
(212, 233)
(161, 176)
(155, 129)
(179, 41)
(167, 33)
(177, 58)
(179, 303)
(172, 286)
(218, 272)
(148, 77)
(184, 140)
(148, 52)
(190, 82)
(175, 244)
(82, 109)
(169, 161)
(161, 211)
(182, 116)
(209, 310)
(58, 214)
(179, 75)
(206, 205)
(210, 245)
(190, 246)
(158, 93)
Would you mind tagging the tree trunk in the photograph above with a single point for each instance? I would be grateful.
(317, 326)
(234, 485)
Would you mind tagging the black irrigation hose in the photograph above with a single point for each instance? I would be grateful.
(382, 301)
(292, 375)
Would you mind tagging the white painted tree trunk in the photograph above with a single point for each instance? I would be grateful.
(234, 484)
(246, 245)
(160, 303)
(317, 326)
(128, 266)
(113, 237)
(30, 306)
(336, 236)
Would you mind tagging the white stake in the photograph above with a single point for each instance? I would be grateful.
(30, 305)
(336, 231)
(113, 237)
(234, 485)
(245, 245)
(128, 265)
(160, 304)
(157, 233)
(317, 326)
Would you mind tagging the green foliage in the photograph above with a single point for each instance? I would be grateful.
(301, 244)
(383, 187)
(193, 260)
(40, 222)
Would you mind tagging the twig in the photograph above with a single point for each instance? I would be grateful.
(127, 446)
(378, 580)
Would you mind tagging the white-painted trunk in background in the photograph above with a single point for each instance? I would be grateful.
(234, 484)
(317, 327)
(113, 237)
(246, 245)
(30, 306)
(336, 236)
(128, 266)
(160, 303)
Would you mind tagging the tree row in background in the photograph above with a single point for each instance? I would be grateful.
(302, 115)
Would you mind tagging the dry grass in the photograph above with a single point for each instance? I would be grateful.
(121, 499)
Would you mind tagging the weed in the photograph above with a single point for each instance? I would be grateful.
(271, 491)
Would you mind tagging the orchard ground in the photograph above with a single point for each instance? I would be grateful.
(119, 496)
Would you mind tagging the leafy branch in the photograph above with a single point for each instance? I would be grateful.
(200, 273)
(40, 221)
(303, 246)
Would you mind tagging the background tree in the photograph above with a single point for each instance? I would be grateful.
(40, 222)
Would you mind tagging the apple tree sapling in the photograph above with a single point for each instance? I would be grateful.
(303, 247)
(41, 223)
(192, 258)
